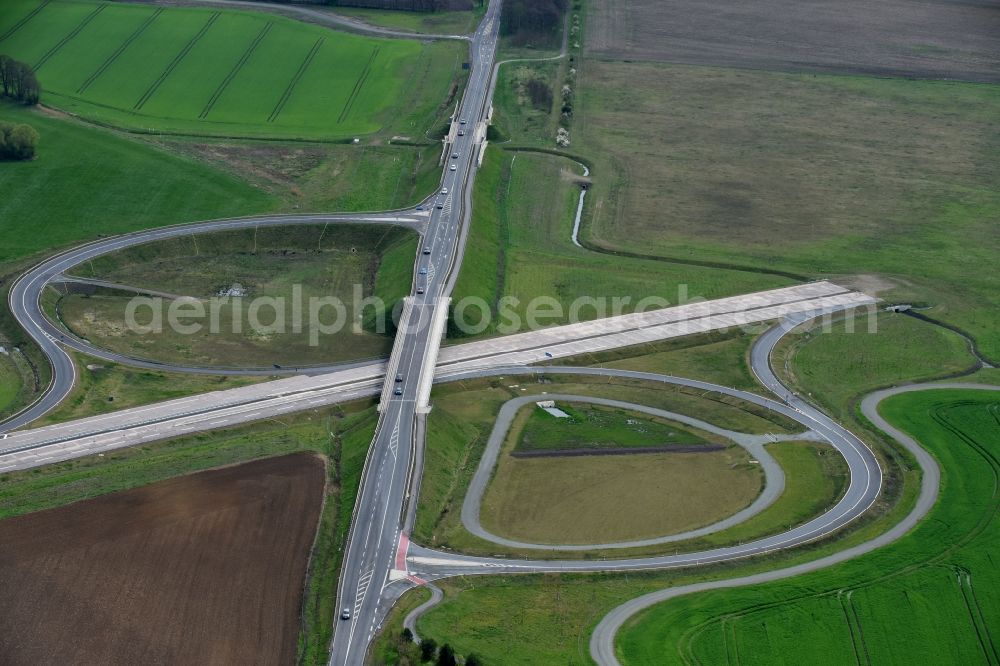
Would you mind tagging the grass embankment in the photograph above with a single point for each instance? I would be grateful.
(226, 73)
(932, 597)
(520, 250)
(813, 174)
(839, 361)
(607, 498)
(87, 182)
(341, 433)
(296, 264)
(103, 387)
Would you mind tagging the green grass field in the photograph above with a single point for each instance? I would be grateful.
(348, 262)
(596, 427)
(87, 181)
(933, 597)
(602, 499)
(520, 249)
(838, 365)
(225, 73)
(814, 174)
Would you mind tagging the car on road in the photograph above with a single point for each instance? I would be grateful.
(439, 206)
(427, 249)
(345, 614)
(462, 121)
(398, 391)
(454, 156)
(399, 379)
(453, 167)
(444, 190)
(423, 271)
(420, 290)
(461, 132)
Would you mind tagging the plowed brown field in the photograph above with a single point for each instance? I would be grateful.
(201, 569)
(921, 38)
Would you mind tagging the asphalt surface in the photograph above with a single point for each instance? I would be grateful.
(774, 477)
(602, 648)
(366, 590)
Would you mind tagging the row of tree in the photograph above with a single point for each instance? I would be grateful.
(17, 142)
(529, 20)
(18, 81)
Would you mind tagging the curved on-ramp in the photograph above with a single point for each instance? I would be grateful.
(24, 300)
(602, 640)
(774, 477)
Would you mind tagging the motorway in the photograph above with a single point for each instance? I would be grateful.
(365, 588)
(379, 562)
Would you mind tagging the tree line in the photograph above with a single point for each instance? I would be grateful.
(18, 81)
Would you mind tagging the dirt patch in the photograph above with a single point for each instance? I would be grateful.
(932, 39)
(202, 569)
(279, 165)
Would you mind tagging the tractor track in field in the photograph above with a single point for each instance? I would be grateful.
(69, 37)
(20, 24)
(358, 85)
(172, 65)
(285, 96)
(236, 69)
(121, 49)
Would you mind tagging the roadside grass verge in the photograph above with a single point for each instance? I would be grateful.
(182, 70)
(292, 265)
(103, 387)
(930, 597)
(341, 433)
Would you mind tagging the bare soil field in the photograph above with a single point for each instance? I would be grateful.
(202, 569)
(926, 39)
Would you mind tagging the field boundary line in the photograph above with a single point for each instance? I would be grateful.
(285, 96)
(236, 69)
(155, 85)
(121, 49)
(20, 24)
(68, 38)
(358, 85)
